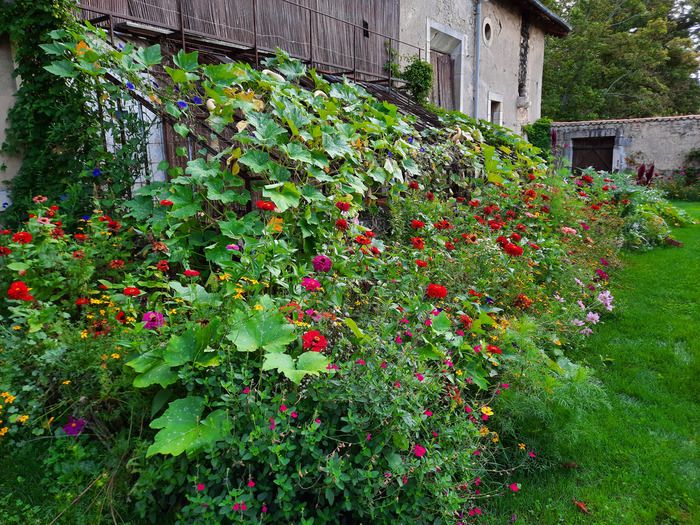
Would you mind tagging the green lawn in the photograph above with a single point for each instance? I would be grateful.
(639, 460)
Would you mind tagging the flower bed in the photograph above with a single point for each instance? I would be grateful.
(290, 364)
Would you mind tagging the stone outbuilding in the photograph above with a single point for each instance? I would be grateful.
(615, 145)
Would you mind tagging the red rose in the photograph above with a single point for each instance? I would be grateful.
(512, 249)
(436, 291)
(342, 205)
(166, 202)
(265, 205)
(314, 341)
(341, 224)
(191, 273)
(418, 243)
(131, 291)
(22, 237)
(19, 291)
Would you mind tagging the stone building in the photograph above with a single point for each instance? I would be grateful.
(614, 145)
(487, 55)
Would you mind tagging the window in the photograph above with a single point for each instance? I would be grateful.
(365, 28)
(496, 112)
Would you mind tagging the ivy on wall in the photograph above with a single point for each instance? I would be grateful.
(50, 125)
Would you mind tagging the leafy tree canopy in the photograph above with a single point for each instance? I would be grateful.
(623, 58)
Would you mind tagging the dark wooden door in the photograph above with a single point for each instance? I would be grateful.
(442, 92)
(593, 151)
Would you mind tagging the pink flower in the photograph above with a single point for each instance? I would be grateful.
(283, 407)
(246, 390)
(397, 385)
(420, 377)
(419, 451)
(428, 413)
(294, 415)
(322, 263)
(515, 487)
(317, 421)
(467, 409)
(264, 508)
(251, 483)
(369, 437)
(310, 284)
(384, 364)
(532, 454)
(273, 425)
(361, 362)
(200, 487)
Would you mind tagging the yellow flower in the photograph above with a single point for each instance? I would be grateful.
(484, 431)
(3, 431)
(22, 418)
(225, 277)
(495, 437)
(66, 382)
(521, 446)
(84, 334)
(258, 307)
(17, 327)
(275, 224)
(486, 411)
(173, 311)
(95, 301)
(115, 356)
(459, 372)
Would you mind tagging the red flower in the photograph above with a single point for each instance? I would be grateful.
(495, 225)
(314, 341)
(449, 246)
(131, 291)
(81, 301)
(163, 266)
(436, 291)
(418, 243)
(191, 273)
(121, 317)
(166, 202)
(116, 264)
(512, 249)
(265, 205)
(4, 250)
(80, 237)
(515, 236)
(442, 225)
(419, 451)
(19, 291)
(342, 205)
(361, 239)
(430, 196)
(417, 225)
(413, 185)
(341, 224)
(466, 321)
(22, 238)
(494, 349)
(421, 264)
(78, 254)
(474, 203)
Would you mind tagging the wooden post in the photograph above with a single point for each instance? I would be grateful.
(311, 39)
(354, 52)
(182, 25)
(255, 33)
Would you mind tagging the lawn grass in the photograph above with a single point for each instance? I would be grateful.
(638, 460)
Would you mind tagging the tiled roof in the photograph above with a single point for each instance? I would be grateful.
(584, 123)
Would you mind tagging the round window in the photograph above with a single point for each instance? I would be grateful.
(487, 31)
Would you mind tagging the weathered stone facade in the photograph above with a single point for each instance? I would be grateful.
(497, 66)
(662, 141)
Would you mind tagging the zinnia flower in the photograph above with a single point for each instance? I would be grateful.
(166, 202)
(417, 225)
(341, 224)
(314, 341)
(419, 451)
(19, 291)
(74, 426)
(342, 205)
(153, 320)
(191, 273)
(322, 263)
(512, 249)
(436, 291)
(131, 291)
(310, 284)
(418, 243)
(22, 238)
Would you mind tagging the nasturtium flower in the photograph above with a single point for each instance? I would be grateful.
(265, 205)
(314, 341)
(166, 202)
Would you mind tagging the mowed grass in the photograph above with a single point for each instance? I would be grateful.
(638, 460)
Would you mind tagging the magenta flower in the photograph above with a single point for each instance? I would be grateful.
(310, 284)
(74, 426)
(153, 320)
(419, 450)
(322, 263)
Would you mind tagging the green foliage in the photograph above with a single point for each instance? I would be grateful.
(418, 75)
(50, 125)
(622, 59)
(539, 134)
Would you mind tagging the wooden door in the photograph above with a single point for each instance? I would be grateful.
(442, 93)
(596, 152)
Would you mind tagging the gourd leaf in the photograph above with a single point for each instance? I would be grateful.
(270, 332)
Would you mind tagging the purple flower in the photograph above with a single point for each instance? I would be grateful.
(96, 172)
(233, 247)
(197, 100)
(74, 426)
(153, 320)
(181, 104)
(322, 263)
(129, 85)
(593, 317)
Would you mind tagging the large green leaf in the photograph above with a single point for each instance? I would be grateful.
(183, 429)
(284, 195)
(270, 332)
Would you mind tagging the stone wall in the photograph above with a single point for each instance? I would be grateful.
(662, 141)
(8, 87)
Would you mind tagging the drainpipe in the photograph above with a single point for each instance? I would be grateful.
(477, 58)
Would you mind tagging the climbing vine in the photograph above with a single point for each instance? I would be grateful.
(51, 125)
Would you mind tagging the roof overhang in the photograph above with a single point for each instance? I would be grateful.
(551, 23)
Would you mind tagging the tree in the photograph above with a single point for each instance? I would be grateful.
(623, 58)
